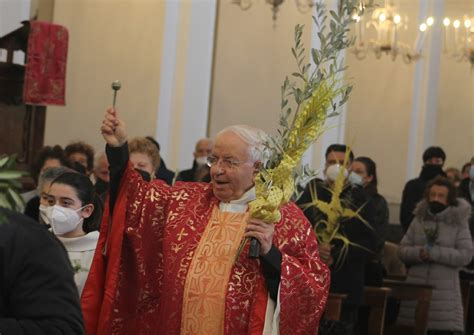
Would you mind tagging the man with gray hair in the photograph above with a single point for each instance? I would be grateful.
(172, 258)
(199, 172)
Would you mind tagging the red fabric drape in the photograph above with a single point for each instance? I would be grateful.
(45, 75)
(99, 291)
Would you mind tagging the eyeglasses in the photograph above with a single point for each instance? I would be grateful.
(226, 163)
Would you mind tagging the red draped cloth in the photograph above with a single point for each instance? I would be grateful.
(45, 74)
(138, 287)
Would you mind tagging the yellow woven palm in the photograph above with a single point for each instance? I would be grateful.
(274, 187)
(335, 212)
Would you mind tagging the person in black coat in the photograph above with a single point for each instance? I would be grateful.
(164, 174)
(349, 276)
(38, 293)
(199, 171)
(364, 173)
(162, 171)
(466, 188)
(433, 159)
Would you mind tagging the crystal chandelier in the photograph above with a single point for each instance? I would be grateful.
(387, 23)
(458, 38)
(303, 6)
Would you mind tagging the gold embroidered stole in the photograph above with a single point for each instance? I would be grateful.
(208, 276)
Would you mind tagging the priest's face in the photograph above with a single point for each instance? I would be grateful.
(232, 173)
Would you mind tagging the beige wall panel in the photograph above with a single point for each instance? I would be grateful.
(455, 122)
(252, 58)
(378, 118)
(109, 39)
(379, 111)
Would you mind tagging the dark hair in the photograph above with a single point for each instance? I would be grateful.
(465, 167)
(443, 181)
(155, 142)
(86, 194)
(51, 174)
(371, 169)
(45, 154)
(432, 152)
(339, 148)
(82, 148)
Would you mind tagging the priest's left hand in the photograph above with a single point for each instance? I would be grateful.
(263, 232)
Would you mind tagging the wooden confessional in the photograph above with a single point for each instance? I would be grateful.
(21, 126)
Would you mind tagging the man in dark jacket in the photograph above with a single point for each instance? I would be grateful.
(433, 159)
(466, 188)
(162, 172)
(200, 171)
(38, 293)
(348, 276)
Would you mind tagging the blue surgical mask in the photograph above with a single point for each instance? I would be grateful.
(355, 179)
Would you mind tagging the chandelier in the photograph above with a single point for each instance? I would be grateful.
(387, 23)
(458, 38)
(303, 6)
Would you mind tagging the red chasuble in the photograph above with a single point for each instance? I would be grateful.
(157, 248)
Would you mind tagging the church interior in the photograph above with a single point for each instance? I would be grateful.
(188, 69)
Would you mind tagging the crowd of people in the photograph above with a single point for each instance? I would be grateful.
(168, 237)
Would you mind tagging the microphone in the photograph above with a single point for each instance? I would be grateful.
(254, 248)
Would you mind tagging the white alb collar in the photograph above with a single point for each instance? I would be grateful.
(240, 205)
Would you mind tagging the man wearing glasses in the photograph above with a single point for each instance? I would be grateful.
(172, 263)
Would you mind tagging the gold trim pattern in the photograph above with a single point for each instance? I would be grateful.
(208, 277)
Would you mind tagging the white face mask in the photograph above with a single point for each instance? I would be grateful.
(333, 171)
(201, 161)
(356, 179)
(45, 214)
(64, 220)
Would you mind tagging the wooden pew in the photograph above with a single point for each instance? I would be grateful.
(467, 288)
(333, 306)
(409, 291)
(376, 299)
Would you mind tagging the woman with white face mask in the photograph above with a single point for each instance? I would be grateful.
(44, 183)
(74, 206)
(364, 174)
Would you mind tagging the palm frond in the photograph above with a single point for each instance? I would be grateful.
(10, 187)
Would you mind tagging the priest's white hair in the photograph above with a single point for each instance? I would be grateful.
(253, 137)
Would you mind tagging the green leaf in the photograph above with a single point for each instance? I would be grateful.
(4, 161)
(314, 54)
(16, 197)
(4, 175)
(4, 201)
